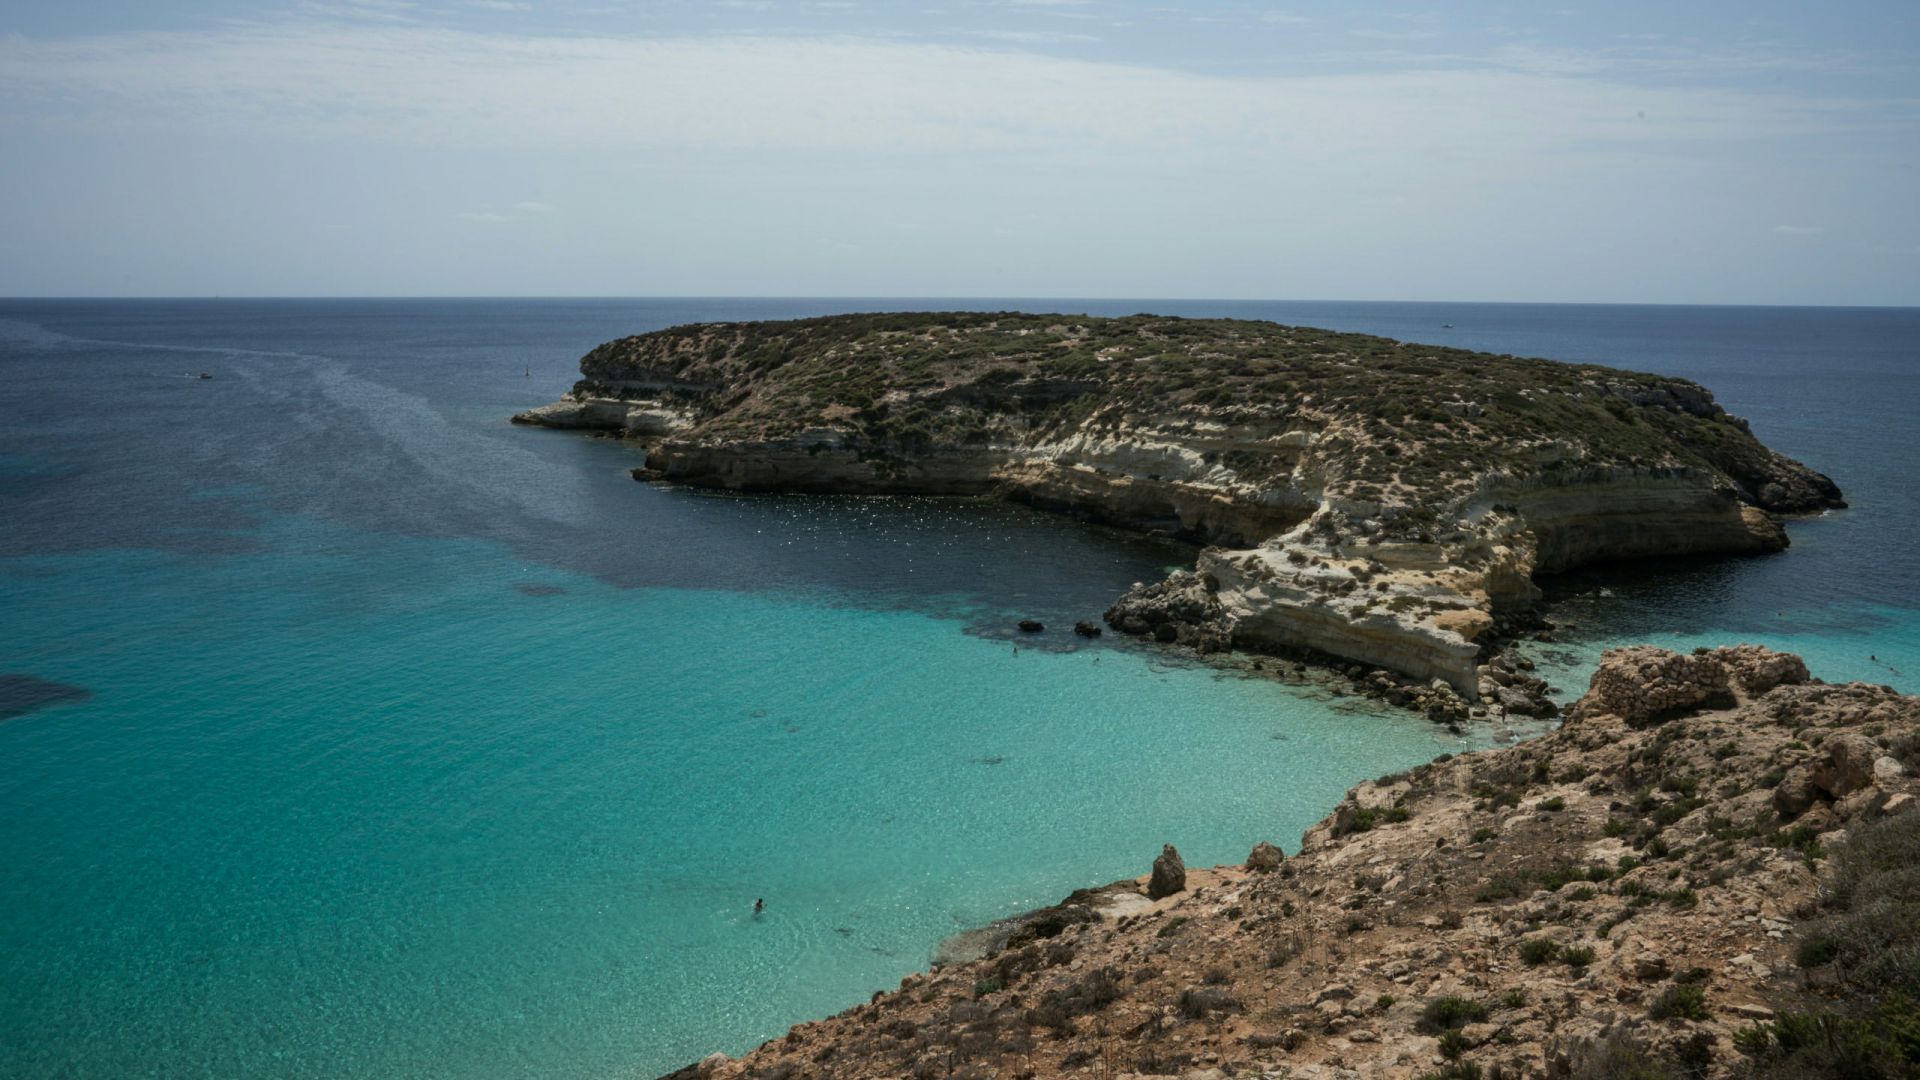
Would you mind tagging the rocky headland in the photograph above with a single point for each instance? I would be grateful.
(1381, 503)
(1711, 869)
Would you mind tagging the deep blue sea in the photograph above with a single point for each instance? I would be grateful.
(346, 730)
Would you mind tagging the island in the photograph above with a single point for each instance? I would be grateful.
(1372, 501)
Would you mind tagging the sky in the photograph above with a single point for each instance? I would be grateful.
(1705, 151)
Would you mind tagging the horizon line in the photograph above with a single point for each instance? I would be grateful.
(958, 298)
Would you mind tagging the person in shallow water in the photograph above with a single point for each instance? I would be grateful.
(759, 906)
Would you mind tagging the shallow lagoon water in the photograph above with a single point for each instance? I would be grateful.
(388, 814)
(415, 744)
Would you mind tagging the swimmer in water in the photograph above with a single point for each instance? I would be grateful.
(759, 906)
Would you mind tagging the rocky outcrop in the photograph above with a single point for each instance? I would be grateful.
(1265, 857)
(637, 420)
(1364, 499)
(1184, 608)
(1615, 898)
(1169, 874)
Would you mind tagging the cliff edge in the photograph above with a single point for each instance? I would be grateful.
(1378, 501)
(1707, 871)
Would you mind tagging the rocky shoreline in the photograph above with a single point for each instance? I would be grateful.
(1365, 503)
(1706, 871)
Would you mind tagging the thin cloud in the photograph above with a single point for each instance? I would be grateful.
(432, 86)
(1799, 230)
(1035, 37)
(380, 10)
(518, 211)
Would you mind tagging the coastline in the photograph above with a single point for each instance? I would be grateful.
(1640, 883)
(1347, 520)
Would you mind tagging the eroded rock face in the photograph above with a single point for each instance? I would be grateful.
(1371, 500)
(634, 419)
(1169, 874)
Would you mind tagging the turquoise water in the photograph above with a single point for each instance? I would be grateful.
(390, 815)
(422, 745)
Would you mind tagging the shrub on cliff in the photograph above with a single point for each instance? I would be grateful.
(1091, 993)
(1870, 933)
(1449, 1013)
(1873, 896)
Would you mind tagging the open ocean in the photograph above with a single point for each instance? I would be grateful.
(346, 730)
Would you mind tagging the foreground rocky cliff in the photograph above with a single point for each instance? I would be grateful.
(1373, 500)
(1711, 870)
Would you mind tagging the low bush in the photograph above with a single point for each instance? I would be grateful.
(1537, 951)
(1620, 1058)
(1680, 1002)
(1200, 1002)
(1091, 993)
(1451, 1012)
(1883, 1044)
(1873, 895)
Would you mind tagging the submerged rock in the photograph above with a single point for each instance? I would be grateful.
(1031, 626)
(1086, 629)
(22, 694)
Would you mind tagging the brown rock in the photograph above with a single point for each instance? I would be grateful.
(1265, 857)
(1169, 874)
(1756, 669)
(1848, 766)
(1649, 966)
(1796, 793)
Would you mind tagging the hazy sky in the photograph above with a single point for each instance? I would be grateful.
(1685, 151)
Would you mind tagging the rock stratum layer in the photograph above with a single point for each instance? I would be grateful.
(1373, 500)
(1707, 871)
